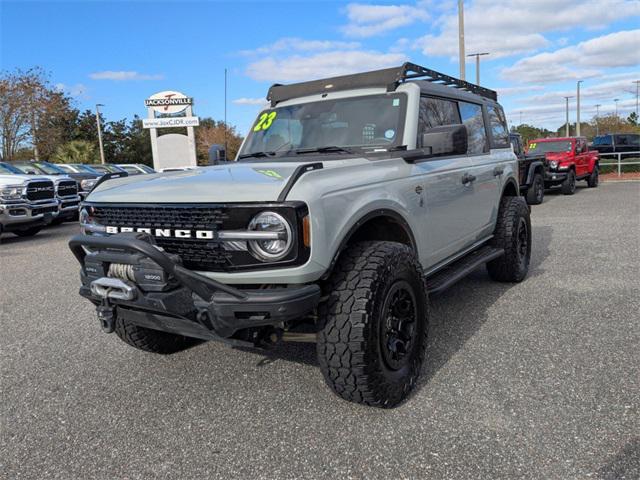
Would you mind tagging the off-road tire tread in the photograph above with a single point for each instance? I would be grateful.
(348, 365)
(531, 193)
(150, 340)
(592, 179)
(506, 268)
(566, 185)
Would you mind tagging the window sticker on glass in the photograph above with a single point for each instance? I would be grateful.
(396, 102)
(265, 121)
(389, 134)
(532, 146)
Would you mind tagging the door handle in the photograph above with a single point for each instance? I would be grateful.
(498, 171)
(468, 178)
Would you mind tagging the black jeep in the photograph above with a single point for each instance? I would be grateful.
(531, 171)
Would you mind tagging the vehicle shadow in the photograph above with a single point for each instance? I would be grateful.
(626, 463)
(45, 235)
(455, 316)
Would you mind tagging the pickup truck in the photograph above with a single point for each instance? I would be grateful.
(622, 143)
(351, 201)
(26, 203)
(86, 180)
(531, 171)
(66, 189)
(569, 160)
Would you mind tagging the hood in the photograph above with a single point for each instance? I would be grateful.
(236, 182)
(15, 179)
(557, 156)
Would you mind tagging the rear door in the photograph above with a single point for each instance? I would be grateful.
(489, 153)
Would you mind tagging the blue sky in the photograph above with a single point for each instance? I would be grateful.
(118, 53)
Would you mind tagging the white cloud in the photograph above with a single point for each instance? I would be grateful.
(366, 20)
(301, 45)
(76, 90)
(321, 65)
(508, 27)
(123, 75)
(619, 49)
(508, 91)
(250, 101)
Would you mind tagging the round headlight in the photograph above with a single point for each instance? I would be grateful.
(88, 184)
(553, 164)
(271, 250)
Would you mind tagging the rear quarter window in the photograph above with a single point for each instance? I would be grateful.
(471, 115)
(498, 127)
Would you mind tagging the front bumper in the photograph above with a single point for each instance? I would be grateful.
(69, 206)
(555, 177)
(156, 291)
(21, 215)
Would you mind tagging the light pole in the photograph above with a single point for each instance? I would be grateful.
(597, 115)
(637, 82)
(578, 109)
(520, 117)
(98, 105)
(567, 116)
(461, 38)
(477, 55)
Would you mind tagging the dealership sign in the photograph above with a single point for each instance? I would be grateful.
(166, 110)
(170, 122)
(168, 101)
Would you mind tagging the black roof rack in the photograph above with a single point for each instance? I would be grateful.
(388, 77)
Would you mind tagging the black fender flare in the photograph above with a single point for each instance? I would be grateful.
(510, 183)
(379, 212)
(537, 165)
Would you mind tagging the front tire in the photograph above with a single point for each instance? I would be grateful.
(373, 327)
(150, 340)
(594, 178)
(569, 184)
(513, 235)
(27, 232)
(535, 194)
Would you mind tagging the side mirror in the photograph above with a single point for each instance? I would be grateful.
(217, 154)
(445, 140)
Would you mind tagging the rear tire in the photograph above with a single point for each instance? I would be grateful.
(594, 178)
(513, 235)
(150, 340)
(27, 232)
(373, 327)
(569, 184)
(535, 194)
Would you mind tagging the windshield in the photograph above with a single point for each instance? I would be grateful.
(371, 122)
(547, 147)
(28, 168)
(602, 140)
(6, 168)
(49, 169)
(84, 168)
(67, 168)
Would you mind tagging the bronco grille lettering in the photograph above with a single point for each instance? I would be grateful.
(166, 232)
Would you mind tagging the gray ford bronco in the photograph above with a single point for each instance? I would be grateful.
(352, 200)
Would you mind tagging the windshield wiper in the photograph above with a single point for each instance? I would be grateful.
(256, 155)
(327, 149)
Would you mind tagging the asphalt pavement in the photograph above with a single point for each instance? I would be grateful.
(537, 380)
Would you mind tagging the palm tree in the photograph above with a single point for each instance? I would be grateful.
(76, 151)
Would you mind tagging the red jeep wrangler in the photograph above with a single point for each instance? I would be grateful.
(568, 159)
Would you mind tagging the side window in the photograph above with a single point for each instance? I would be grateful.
(499, 132)
(471, 115)
(435, 112)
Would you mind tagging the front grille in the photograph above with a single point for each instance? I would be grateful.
(197, 254)
(67, 188)
(41, 210)
(40, 190)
